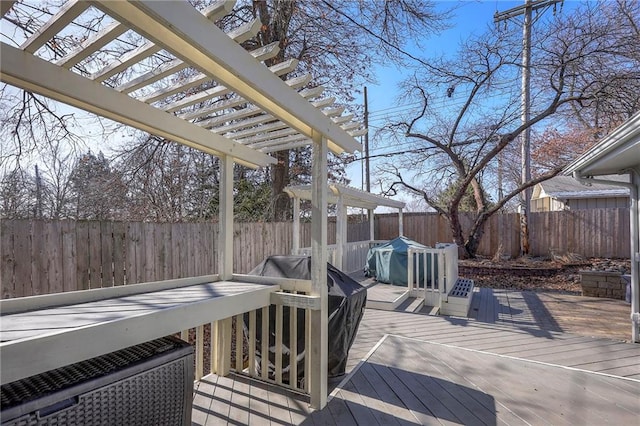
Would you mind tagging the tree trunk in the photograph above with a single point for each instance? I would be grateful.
(279, 180)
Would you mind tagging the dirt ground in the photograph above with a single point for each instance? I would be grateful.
(537, 274)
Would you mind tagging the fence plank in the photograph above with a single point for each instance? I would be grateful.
(22, 255)
(106, 253)
(53, 247)
(119, 238)
(95, 255)
(39, 283)
(69, 275)
(7, 258)
(82, 255)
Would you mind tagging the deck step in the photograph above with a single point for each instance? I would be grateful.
(459, 298)
(412, 304)
(386, 297)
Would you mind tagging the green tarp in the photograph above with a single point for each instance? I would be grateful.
(388, 262)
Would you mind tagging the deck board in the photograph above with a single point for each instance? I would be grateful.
(432, 371)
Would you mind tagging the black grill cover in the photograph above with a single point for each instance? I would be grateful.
(347, 300)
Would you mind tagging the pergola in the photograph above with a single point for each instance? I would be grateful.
(230, 105)
(342, 196)
(619, 153)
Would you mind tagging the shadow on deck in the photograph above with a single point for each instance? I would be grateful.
(518, 357)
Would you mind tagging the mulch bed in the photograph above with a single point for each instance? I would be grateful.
(536, 274)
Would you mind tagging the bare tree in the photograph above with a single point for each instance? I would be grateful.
(469, 111)
(339, 42)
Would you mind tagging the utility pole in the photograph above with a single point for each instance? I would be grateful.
(367, 172)
(525, 104)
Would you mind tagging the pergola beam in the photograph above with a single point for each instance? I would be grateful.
(67, 13)
(220, 90)
(190, 36)
(28, 72)
(92, 44)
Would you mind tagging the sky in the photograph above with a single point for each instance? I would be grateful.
(469, 17)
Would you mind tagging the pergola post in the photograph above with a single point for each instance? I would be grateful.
(225, 225)
(319, 318)
(372, 225)
(400, 224)
(634, 223)
(225, 259)
(341, 232)
(296, 225)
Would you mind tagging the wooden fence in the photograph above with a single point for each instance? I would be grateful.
(39, 257)
(590, 233)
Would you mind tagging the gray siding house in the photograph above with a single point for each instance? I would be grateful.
(566, 193)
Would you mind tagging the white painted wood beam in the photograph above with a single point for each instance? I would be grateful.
(176, 65)
(360, 132)
(311, 92)
(219, 9)
(250, 122)
(125, 61)
(341, 232)
(225, 224)
(322, 103)
(92, 45)
(319, 319)
(343, 119)
(219, 106)
(267, 132)
(181, 86)
(220, 90)
(214, 12)
(28, 72)
(245, 31)
(301, 141)
(267, 136)
(67, 13)
(164, 70)
(351, 126)
(236, 115)
(278, 125)
(180, 29)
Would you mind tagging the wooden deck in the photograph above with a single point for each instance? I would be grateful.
(510, 361)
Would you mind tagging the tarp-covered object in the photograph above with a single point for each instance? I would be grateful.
(388, 262)
(347, 300)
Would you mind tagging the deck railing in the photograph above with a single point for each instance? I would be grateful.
(354, 256)
(432, 272)
(233, 344)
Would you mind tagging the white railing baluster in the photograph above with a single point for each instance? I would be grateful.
(293, 347)
(278, 344)
(410, 269)
(307, 349)
(213, 345)
(199, 352)
(264, 344)
(252, 343)
(239, 344)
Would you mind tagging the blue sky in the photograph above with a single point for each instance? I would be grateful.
(469, 17)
